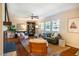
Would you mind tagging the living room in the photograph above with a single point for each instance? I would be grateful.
(49, 21)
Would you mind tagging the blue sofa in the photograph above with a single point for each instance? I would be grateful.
(51, 40)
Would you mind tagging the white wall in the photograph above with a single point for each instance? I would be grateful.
(72, 39)
(16, 21)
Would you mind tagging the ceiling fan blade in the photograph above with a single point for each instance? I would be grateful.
(27, 17)
(32, 17)
(36, 17)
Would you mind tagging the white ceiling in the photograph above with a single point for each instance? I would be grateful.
(40, 9)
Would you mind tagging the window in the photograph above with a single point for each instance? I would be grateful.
(55, 25)
(47, 25)
(42, 26)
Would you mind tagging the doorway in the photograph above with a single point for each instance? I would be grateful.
(31, 28)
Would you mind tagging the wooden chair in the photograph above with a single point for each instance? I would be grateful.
(21, 51)
(37, 49)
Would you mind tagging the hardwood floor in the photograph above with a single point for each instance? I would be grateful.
(53, 50)
(56, 50)
(70, 52)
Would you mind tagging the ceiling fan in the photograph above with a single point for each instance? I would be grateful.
(32, 17)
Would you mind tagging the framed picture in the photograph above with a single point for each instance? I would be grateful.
(73, 25)
(21, 27)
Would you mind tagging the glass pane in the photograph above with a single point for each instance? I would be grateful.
(55, 25)
(47, 26)
(42, 26)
